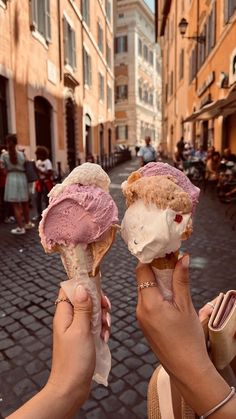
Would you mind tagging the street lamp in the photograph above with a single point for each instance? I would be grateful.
(183, 24)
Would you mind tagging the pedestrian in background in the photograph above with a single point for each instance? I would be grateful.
(180, 148)
(45, 183)
(147, 153)
(16, 187)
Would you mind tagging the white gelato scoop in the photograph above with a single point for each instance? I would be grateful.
(150, 232)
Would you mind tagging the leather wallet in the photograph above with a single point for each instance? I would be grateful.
(222, 330)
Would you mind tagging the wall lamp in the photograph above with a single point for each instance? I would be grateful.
(183, 24)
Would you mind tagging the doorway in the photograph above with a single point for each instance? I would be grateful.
(43, 114)
(88, 138)
(70, 134)
(3, 110)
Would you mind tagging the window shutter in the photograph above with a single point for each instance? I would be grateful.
(126, 91)
(47, 20)
(65, 27)
(116, 45)
(84, 66)
(73, 49)
(34, 13)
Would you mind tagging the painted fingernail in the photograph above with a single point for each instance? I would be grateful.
(108, 319)
(106, 336)
(108, 302)
(81, 294)
(185, 261)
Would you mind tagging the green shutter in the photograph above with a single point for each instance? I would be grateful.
(34, 14)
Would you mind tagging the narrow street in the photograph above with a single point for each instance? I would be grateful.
(29, 284)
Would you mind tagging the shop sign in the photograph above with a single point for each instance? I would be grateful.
(232, 68)
(209, 80)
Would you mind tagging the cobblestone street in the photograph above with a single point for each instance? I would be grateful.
(28, 288)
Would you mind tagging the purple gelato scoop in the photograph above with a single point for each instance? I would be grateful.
(158, 169)
(79, 215)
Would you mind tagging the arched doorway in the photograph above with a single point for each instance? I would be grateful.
(70, 134)
(43, 114)
(3, 110)
(101, 142)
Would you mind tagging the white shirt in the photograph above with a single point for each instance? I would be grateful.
(44, 166)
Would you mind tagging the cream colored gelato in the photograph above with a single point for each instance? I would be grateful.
(150, 232)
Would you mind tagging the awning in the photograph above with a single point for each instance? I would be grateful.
(222, 107)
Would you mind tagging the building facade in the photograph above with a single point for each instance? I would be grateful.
(199, 72)
(137, 74)
(57, 78)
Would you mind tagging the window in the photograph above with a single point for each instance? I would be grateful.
(229, 9)
(140, 47)
(181, 64)
(41, 18)
(193, 65)
(122, 132)
(109, 97)
(108, 10)
(86, 11)
(151, 58)
(121, 92)
(121, 15)
(101, 86)
(108, 56)
(100, 37)
(121, 44)
(69, 45)
(87, 68)
(145, 52)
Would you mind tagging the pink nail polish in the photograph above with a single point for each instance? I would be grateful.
(106, 336)
(108, 320)
(185, 261)
(108, 302)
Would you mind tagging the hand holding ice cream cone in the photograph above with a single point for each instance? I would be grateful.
(161, 201)
(79, 223)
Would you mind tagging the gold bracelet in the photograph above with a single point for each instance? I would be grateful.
(219, 405)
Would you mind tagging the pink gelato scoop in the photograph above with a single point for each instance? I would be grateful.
(79, 215)
(157, 169)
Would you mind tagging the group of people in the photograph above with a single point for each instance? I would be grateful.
(216, 168)
(15, 197)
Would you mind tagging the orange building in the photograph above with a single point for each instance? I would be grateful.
(199, 72)
(56, 77)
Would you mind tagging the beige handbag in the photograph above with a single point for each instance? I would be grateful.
(164, 401)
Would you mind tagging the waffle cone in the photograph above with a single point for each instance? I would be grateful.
(167, 262)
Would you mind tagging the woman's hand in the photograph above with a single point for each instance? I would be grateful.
(171, 327)
(73, 359)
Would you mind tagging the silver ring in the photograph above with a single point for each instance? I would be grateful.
(147, 284)
(211, 305)
(62, 300)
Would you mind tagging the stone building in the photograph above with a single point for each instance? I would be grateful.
(199, 72)
(56, 77)
(137, 74)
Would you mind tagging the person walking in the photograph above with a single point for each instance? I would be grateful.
(16, 187)
(45, 183)
(147, 153)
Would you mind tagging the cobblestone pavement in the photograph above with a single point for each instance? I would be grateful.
(28, 287)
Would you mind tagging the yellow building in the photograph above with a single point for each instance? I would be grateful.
(199, 72)
(56, 77)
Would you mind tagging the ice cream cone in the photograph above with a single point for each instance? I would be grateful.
(163, 270)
